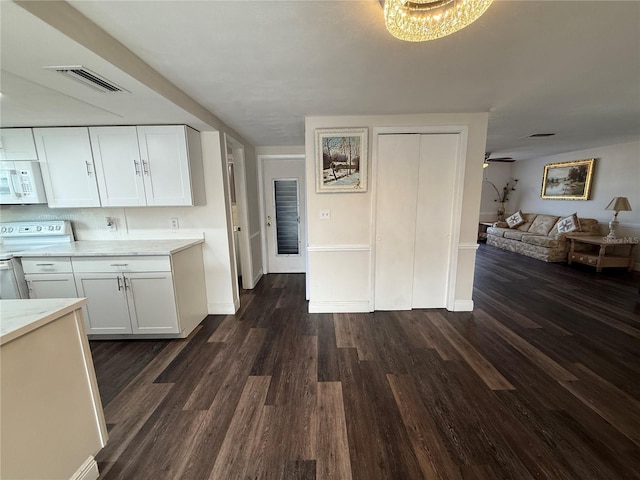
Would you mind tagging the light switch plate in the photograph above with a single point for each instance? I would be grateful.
(173, 223)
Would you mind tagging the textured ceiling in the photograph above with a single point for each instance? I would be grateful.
(572, 68)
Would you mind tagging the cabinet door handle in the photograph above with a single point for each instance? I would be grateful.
(119, 284)
(127, 283)
(17, 186)
(44, 264)
(145, 167)
(136, 166)
(119, 264)
(88, 165)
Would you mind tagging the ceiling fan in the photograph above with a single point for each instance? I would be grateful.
(488, 160)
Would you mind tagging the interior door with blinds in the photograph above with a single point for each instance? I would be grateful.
(284, 202)
(414, 220)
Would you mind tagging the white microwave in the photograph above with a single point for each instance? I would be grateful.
(21, 183)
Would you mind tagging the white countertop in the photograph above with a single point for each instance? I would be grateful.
(19, 317)
(109, 248)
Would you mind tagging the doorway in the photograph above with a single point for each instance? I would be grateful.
(284, 225)
(237, 201)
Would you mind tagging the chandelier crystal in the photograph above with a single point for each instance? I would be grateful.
(421, 20)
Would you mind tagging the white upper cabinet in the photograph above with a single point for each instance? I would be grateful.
(148, 165)
(67, 164)
(118, 166)
(16, 144)
(171, 159)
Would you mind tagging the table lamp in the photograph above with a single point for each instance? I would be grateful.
(619, 204)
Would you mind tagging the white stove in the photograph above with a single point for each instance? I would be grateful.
(16, 237)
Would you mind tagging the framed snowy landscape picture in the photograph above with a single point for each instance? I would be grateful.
(341, 160)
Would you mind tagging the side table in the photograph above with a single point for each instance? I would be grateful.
(482, 230)
(601, 259)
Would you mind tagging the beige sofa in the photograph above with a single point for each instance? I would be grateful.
(538, 237)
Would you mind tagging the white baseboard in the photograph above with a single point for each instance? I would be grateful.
(87, 471)
(221, 308)
(339, 307)
(463, 306)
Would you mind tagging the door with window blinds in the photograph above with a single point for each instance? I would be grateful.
(284, 194)
(414, 220)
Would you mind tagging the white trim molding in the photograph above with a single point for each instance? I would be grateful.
(468, 246)
(463, 306)
(223, 308)
(87, 471)
(339, 307)
(339, 248)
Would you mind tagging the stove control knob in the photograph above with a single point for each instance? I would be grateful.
(51, 228)
(10, 229)
(3, 229)
(57, 227)
(38, 228)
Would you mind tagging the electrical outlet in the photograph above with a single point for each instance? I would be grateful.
(173, 223)
(325, 214)
(110, 223)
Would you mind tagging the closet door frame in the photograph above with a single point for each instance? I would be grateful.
(462, 131)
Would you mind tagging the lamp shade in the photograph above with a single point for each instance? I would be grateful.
(619, 204)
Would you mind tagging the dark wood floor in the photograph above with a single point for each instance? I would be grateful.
(541, 381)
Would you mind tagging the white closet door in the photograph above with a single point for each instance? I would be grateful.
(397, 192)
(434, 220)
(414, 219)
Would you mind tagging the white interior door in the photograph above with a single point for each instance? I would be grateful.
(434, 223)
(414, 215)
(284, 201)
(397, 190)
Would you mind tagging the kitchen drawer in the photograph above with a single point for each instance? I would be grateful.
(47, 265)
(133, 263)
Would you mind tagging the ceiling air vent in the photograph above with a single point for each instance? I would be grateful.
(89, 78)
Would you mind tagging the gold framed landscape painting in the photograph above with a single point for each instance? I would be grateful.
(568, 180)
(341, 160)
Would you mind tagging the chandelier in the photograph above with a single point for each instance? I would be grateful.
(421, 20)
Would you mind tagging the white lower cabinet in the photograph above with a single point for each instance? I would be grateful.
(121, 303)
(106, 310)
(152, 303)
(49, 277)
(51, 285)
(143, 296)
(135, 295)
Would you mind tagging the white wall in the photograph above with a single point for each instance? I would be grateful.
(208, 221)
(340, 251)
(616, 174)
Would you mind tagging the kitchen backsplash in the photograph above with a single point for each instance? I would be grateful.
(130, 223)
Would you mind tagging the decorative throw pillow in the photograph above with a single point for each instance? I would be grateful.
(514, 220)
(543, 224)
(569, 224)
